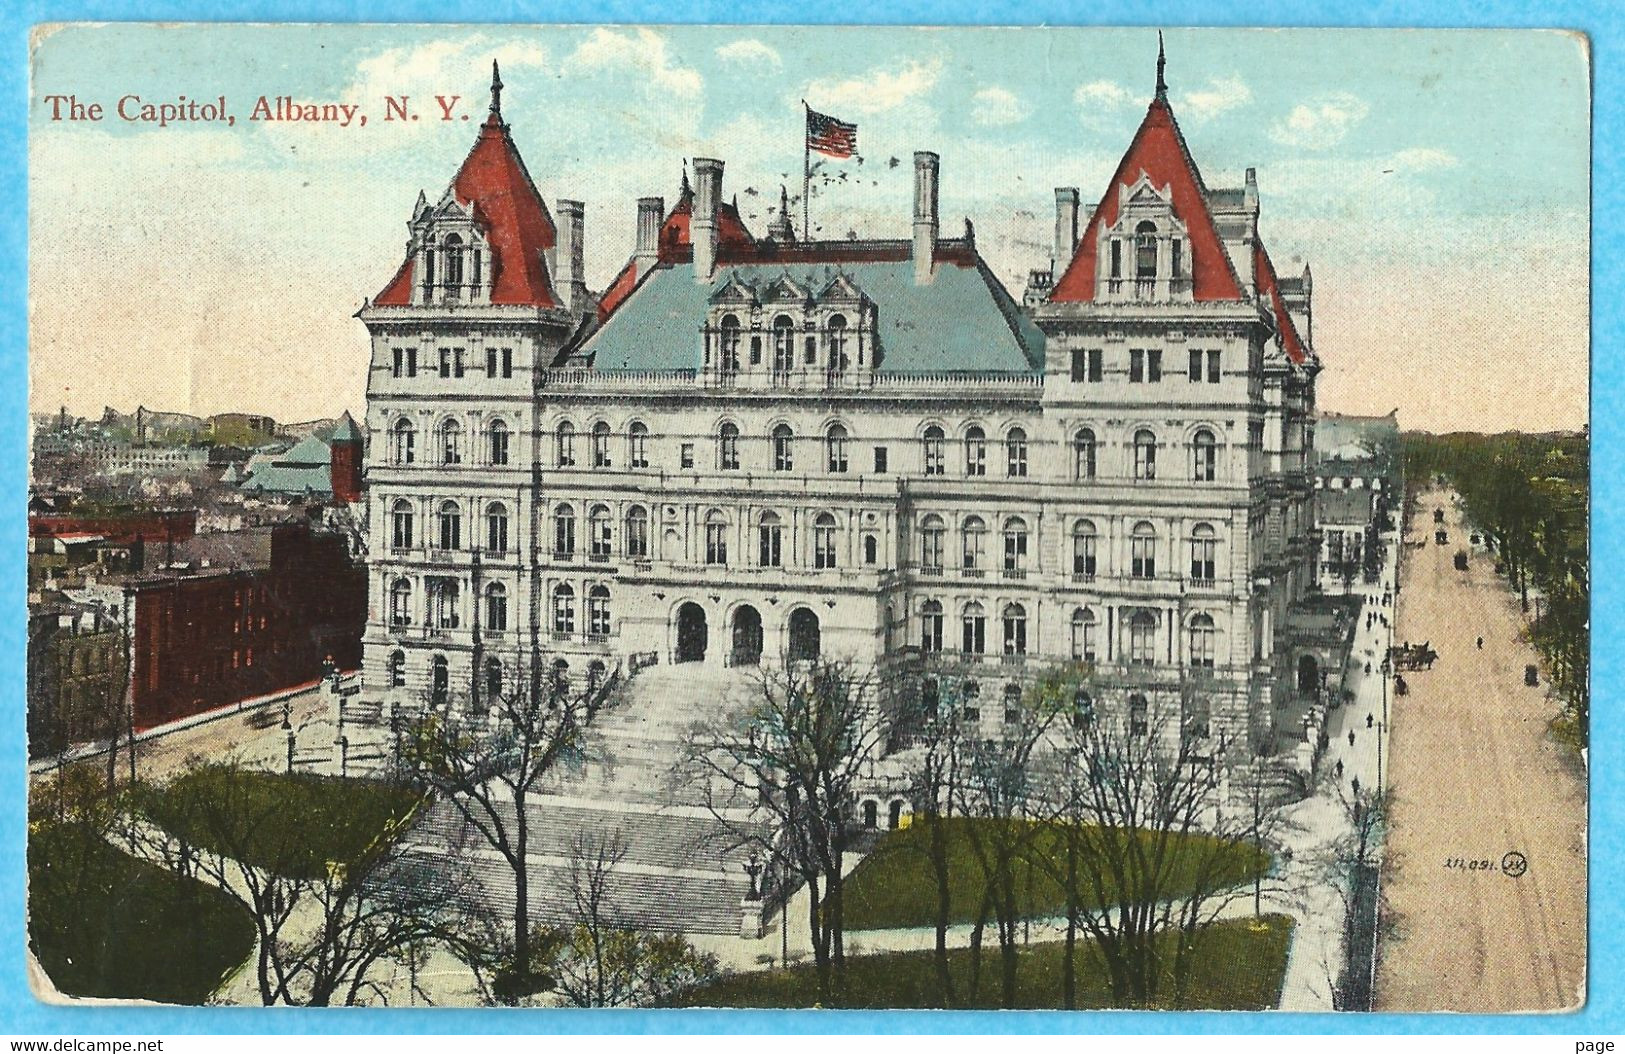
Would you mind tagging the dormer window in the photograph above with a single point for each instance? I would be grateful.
(784, 345)
(730, 344)
(1145, 250)
(837, 343)
(453, 248)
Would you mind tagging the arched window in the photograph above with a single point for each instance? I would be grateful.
(565, 444)
(970, 695)
(871, 815)
(598, 611)
(496, 607)
(1145, 454)
(1015, 546)
(402, 522)
(564, 531)
(837, 342)
(600, 445)
(931, 443)
(637, 532)
(451, 442)
(1083, 635)
(730, 344)
(784, 345)
(973, 630)
(400, 602)
(496, 443)
(932, 534)
(824, 540)
(595, 674)
(770, 539)
(493, 678)
(1204, 639)
(564, 609)
(975, 451)
(716, 537)
(403, 439)
(1083, 711)
(728, 445)
(446, 596)
(871, 549)
(496, 527)
(1083, 550)
(637, 444)
(1204, 457)
(599, 533)
(1015, 629)
(1012, 703)
(974, 551)
(783, 451)
(452, 249)
(397, 669)
(1143, 551)
(835, 444)
(1145, 250)
(931, 628)
(1142, 639)
(451, 526)
(1139, 715)
(1204, 553)
(1084, 449)
(1015, 450)
(930, 694)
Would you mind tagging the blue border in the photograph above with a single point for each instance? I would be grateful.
(1605, 1009)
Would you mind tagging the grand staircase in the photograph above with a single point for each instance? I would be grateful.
(680, 868)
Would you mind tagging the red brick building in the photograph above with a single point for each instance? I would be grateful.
(251, 613)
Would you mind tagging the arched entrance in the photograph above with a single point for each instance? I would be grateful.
(1308, 674)
(747, 642)
(691, 633)
(803, 635)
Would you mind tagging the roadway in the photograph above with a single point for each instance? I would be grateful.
(1477, 785)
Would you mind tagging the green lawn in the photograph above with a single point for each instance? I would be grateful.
(105, 924)
(298, 822)
(894, 886)
(1237, 967)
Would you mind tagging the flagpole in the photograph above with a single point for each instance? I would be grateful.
(806, 172)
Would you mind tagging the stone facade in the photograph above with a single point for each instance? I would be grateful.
(755, 450)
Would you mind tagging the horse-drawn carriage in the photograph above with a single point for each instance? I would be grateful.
(1409, 656)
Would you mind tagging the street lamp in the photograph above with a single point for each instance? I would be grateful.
(290, 751)
(344, 757)
(753, 868)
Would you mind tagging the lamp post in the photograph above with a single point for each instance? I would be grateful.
(344, 757)
(753, 868)
(290, 751)
(1380, 727)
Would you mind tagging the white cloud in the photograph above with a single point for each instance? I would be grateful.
(996, 106)
(1103, 95)
(750, 51)
(1321, 122)
(878, 90)
(1221, 95)
(641, 51)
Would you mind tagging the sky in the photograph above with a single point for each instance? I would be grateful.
(1436, 181)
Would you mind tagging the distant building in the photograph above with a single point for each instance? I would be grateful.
(77, 661)
(235, 429)
(318, 466)
(1359, 478)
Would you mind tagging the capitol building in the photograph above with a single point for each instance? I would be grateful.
(753, 448)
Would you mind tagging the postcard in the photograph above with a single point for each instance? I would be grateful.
(776, 517)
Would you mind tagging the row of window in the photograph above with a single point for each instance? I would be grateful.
(497, 443)
(453, 363)
(494, 680)
(448, 526)
(1145, 365)
(1143, 545)
(1202, 634)
(1195, 724)
(839, 339)
(444, 610)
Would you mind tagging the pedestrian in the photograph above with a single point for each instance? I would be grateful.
(1368, 720)
(1351, 737)
(1481, 644)
(1339, 768)
(1368, 667)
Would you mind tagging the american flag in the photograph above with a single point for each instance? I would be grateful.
(829, 136)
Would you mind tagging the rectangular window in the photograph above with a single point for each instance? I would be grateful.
(716, 543)
(880, 459)
(457, 364)
(823, 546)
(1136, 365)
(411, 362)
(1213, 367)
(1080, 360)
(687, 455)
(399, 368)
(1176, 258)
(491, 363)
(1153, 365)
(771, 552)
(1096, 372)
(445, 362)
(1196, 366)
(1117, 258)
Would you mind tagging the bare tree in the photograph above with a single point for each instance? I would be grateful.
(1155, 854)
(795, 757)
(323, 925)
(488, 764)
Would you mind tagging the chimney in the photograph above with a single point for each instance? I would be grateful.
(702, 227)
(569, 281)
(651, 211)
(1066, 225)
(925, 214)
(1250, 191)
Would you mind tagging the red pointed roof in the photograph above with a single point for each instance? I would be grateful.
(493, 180)
(1270, 286)
(731, 230)
(1158, 150)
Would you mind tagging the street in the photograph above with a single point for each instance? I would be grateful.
(1485, 873)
